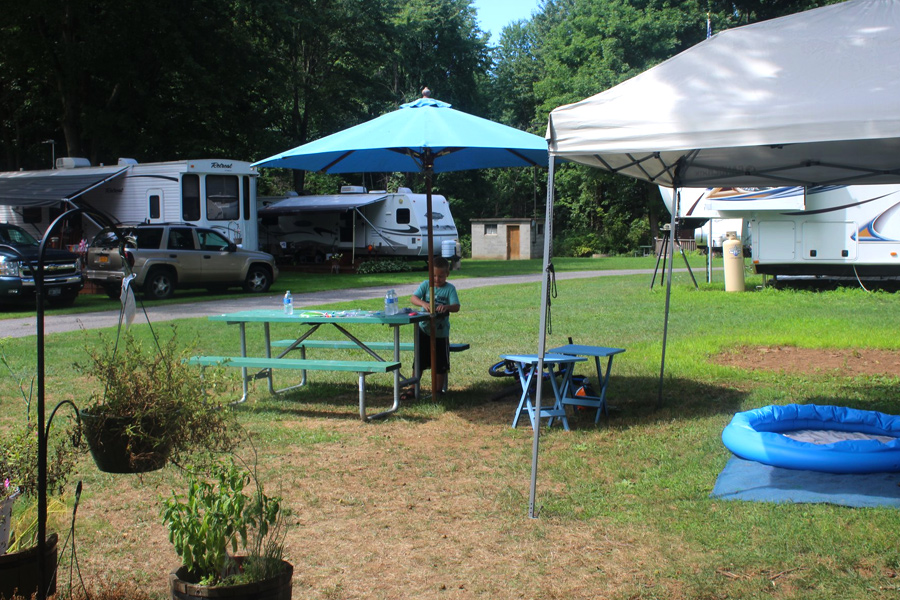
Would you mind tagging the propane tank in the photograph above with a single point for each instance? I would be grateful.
(733, 254)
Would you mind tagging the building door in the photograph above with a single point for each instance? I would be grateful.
(512, 242)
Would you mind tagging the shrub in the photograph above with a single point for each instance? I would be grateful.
(384, 265)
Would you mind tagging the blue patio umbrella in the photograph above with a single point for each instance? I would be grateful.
(426, 136)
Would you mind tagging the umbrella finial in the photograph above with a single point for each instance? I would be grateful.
(426, 93)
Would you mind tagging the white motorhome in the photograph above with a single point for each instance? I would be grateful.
(356, 221)
(837, 231)
(215, 193)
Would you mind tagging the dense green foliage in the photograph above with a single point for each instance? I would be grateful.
(246, 79)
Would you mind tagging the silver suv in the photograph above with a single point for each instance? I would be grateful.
(169, 256)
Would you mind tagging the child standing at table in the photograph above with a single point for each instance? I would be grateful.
(445, 301)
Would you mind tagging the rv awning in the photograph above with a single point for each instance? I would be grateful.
(342, 202)
(43, 188)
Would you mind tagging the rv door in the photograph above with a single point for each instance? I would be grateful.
(155, 205)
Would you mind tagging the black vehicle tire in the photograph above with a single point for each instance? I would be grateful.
(258, 280)
(160, 284)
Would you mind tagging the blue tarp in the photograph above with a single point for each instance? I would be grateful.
(752, 481)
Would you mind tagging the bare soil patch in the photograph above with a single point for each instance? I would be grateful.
(426, 507)
(850, 362)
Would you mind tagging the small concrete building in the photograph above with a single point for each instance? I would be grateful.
(507, 239)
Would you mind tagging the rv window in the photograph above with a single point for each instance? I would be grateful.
(402, 216)
(190, 197)
(490, 229)
(221, 197)
(246, 190)
(154, 206)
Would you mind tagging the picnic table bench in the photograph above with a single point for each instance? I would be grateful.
(351, 345)
(266, 364)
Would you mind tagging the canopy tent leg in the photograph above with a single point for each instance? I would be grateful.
(671, 250)
(542, 338)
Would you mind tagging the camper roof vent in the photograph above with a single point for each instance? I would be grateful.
(353, 189)
(404, 190)
(127, 161)
(72, 162)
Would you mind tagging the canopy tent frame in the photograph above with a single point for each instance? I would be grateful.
(806, 99)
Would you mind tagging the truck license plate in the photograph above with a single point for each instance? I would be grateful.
(104, 259)
(54, 291)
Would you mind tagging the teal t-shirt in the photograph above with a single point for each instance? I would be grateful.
(443, 295)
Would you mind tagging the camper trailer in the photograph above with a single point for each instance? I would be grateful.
(215, 193)
(357, 221)
(711, 229)
(830, 231)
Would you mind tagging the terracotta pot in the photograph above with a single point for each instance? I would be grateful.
(114, 451)
(19, 570)
(275, 588)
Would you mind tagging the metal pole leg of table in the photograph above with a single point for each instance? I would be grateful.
(604, 381)
(244, 377)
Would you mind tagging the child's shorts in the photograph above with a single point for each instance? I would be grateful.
(442, 352)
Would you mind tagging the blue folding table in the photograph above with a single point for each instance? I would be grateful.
(559, 366)
(598, 352)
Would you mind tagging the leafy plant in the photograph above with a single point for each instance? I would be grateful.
(217, 516)
(164, 398)
(391, 265)
(19, 466)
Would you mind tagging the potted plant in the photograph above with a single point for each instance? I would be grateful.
(18, 497)
(152, 406)
(229, 537)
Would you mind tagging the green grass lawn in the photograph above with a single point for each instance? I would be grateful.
(643, 477)
(299, 282)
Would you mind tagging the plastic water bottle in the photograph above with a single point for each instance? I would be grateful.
(390, 303)
(288, 303)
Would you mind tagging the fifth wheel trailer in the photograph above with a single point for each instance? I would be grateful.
(828, 231)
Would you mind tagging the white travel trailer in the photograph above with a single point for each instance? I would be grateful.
(832, 231)
(356, 221)
(215, 193)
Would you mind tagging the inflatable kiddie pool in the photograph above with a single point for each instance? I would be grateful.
(831, 439)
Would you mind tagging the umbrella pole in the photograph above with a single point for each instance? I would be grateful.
(542, 343)
(429, 170)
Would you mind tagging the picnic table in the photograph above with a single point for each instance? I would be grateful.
(309, 322)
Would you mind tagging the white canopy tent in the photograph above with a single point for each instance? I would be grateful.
(808, 99)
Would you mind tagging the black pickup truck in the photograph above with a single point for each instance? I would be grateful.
(62, 269)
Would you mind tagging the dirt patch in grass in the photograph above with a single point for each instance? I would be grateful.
(790, 359)
(418, 506)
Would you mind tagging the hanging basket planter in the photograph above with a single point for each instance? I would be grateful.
(125, 445)
(277, 587)
(19, 570)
